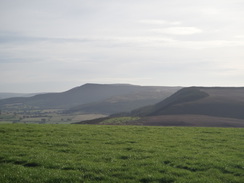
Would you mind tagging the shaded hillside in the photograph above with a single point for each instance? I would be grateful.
(126, 103)
(212, 101)
(87, 93)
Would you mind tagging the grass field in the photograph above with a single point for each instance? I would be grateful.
(100, 153)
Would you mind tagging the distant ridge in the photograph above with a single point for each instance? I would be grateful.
(90, 93)
(4, 95)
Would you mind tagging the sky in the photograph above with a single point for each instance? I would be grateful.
(55, 45)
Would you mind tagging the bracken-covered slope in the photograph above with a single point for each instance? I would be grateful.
(170, 120)
(88, 93)
(211, 101)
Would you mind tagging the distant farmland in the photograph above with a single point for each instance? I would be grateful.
(100, 153)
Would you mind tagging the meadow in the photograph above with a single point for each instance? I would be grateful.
(103, 153)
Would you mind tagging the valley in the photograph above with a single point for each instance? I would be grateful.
(45, 116)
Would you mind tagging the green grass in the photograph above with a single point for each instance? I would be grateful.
(83, 153)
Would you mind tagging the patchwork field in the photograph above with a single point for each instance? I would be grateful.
(101, 153)
(45, 117)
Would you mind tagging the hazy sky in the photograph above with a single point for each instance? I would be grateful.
(54, 45)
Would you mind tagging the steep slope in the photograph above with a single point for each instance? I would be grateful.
(87, 93)
(212, 101)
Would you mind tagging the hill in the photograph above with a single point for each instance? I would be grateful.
(88, 93)
(212, 101)
(193, 106)
(128, 102)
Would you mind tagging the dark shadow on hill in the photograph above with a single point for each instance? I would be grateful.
(182, 96)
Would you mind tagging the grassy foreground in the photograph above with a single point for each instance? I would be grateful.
(83, 153)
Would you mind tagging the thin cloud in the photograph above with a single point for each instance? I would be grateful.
(178, 30)
(16, 38)
(239, 36)
(154, 22)
(159, 22)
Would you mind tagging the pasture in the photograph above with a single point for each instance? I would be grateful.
(101, 153)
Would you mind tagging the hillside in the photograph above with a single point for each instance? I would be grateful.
(212, 101)
(88, 93)
(128, 102)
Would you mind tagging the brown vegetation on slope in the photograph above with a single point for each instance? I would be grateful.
(189, 120)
